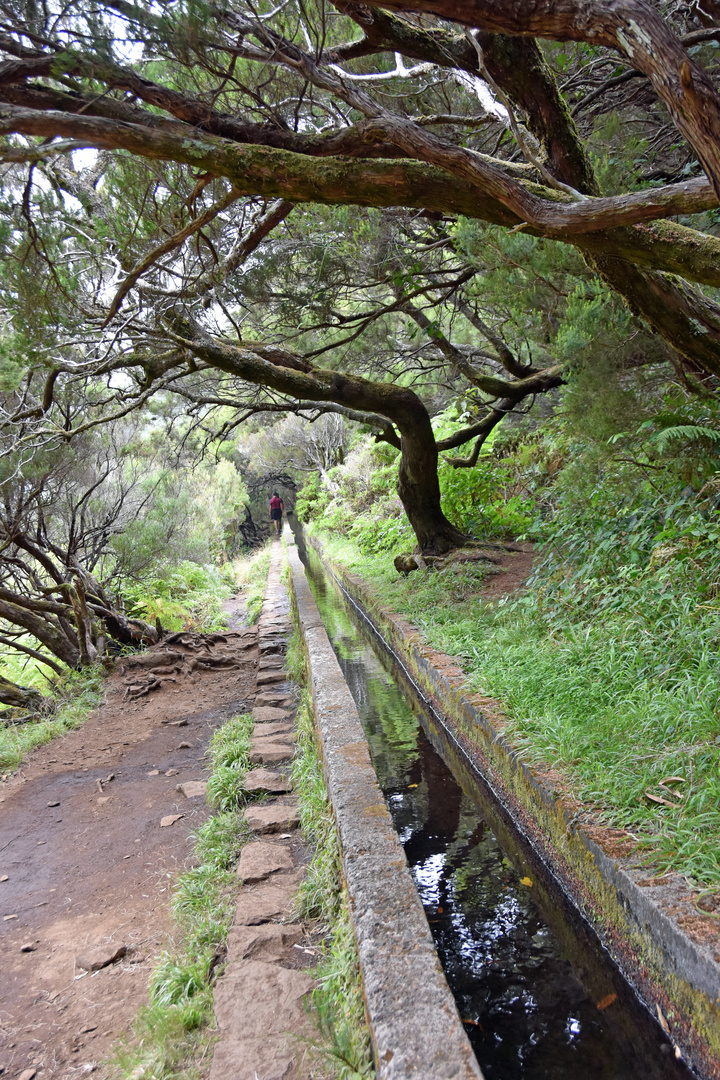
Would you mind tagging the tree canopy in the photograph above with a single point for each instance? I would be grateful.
(371, 210)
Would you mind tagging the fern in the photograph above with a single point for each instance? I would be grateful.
(689, 432)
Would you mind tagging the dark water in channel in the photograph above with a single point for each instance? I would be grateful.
(526, 977)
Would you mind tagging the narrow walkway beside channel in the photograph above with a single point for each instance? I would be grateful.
(259, 998)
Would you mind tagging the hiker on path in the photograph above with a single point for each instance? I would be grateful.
(276, 511)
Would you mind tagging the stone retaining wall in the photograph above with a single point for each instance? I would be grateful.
(416, 1031)
(636, 918)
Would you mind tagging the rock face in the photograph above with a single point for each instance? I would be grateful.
(272, 819)
(260, 859)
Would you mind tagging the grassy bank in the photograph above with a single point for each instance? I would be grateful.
(251, 573)
(614, 683)
(77, 693)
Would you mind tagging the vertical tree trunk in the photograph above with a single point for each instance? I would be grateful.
(419, 490)
(88, 652)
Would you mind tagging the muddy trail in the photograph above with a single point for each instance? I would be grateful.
(94, 829)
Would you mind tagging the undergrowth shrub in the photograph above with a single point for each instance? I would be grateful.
(188, 598)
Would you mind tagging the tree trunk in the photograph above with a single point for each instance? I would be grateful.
(19, 697)
(41, 626)
(419, 490)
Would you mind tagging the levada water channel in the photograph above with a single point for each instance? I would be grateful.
(538, 995)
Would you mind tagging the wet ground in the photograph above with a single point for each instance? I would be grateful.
(86, 865)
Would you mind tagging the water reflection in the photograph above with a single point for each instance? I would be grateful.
(522, 993)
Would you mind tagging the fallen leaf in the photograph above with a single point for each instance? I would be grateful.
(663, 1022)
(170, 820)
(4, 878)
(673, 780)
(675, 794)
(605, 1002)
(54, 803)
(412, 786)
(6, 918)
(475, 1023)
(526, 881)
(657, 799)
(678, 1052)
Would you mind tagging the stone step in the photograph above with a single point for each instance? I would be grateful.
(273, 698)
(261, 858)
(267, 941)
(268, 901)
(271, 755)
(272, 819)
(267, 780)
(282, 731)
(264, 714)
(267, 678)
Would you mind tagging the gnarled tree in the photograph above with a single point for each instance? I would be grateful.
(251, 113)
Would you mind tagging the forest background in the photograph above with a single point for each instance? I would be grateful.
(324, 249)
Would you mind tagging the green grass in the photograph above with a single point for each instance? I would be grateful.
(251, 572)
(229, 751)
(77, 694)
(337, 1009)
(615, 685)
(172, 1033)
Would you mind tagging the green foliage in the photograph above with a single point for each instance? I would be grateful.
(488, 501)
(251, 573)
(365, 504)
(313, 499)
(188, 598)
(76, 695)
(230, 754)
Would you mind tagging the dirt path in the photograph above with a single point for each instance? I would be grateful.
(86, 864)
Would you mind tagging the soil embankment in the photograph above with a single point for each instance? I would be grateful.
(86, 863)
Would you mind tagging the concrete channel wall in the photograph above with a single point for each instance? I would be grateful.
(416, 1031)
(635, 917)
